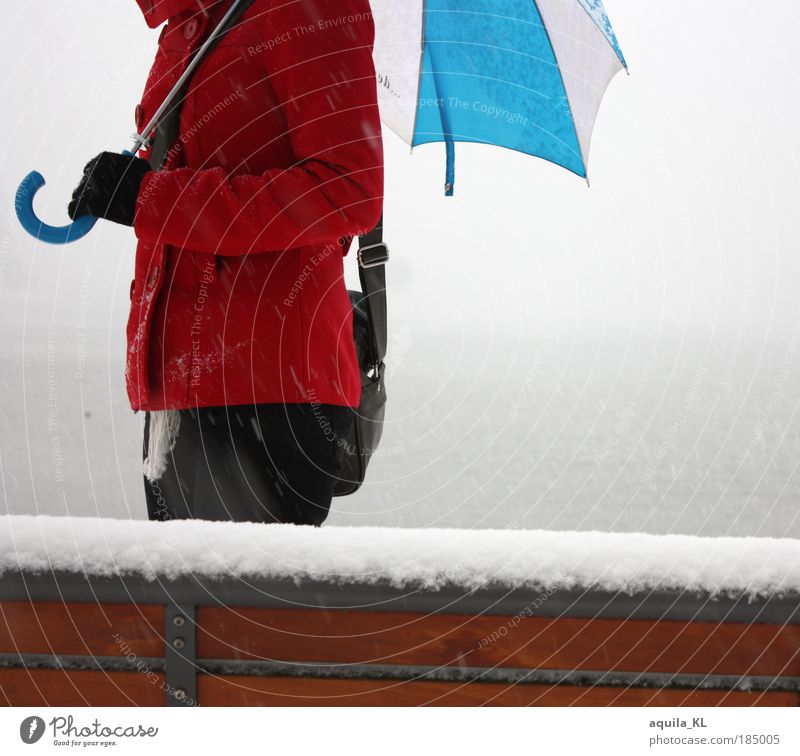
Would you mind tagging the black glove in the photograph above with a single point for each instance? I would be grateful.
(109, 188)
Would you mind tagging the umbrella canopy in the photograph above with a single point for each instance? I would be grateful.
(528, 75)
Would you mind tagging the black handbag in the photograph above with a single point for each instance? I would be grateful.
(370, 335)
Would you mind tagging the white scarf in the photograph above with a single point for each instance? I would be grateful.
(163, 433)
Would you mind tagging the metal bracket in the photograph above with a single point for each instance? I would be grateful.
(181, 654)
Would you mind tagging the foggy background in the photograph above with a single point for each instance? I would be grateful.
(620, 357)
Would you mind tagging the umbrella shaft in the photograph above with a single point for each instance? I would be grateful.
(141, 139)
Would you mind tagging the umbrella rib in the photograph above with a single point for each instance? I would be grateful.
(617, 50)
(584, 158)
(421, 65)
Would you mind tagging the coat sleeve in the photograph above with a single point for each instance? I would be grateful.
(325, 84)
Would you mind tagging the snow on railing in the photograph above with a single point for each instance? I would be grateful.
(427, 559)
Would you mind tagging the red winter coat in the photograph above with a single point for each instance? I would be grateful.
(239, 296)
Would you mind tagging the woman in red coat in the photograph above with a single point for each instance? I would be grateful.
(240, 346)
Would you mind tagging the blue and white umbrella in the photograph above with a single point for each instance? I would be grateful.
(528, 75)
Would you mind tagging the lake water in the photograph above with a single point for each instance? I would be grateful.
(664, 433)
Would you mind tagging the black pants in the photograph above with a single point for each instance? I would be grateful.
(266, 463)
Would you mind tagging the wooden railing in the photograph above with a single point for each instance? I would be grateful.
(72, 639)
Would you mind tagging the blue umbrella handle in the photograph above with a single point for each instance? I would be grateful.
(23, 204)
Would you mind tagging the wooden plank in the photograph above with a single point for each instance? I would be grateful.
(55, 687)
(51, 627)
(243, 690)
(343, 636)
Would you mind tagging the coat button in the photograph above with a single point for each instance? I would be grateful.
(190, 29)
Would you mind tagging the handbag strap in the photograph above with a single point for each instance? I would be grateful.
(168, 127)
(373, 254)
